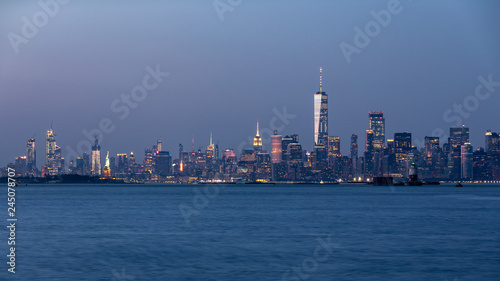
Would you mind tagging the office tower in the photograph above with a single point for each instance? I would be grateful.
(122, 166)
(106, 172)
(284, 146)
(431, 146)
(459, 136)
(377, 125)
(320, 157)
(334, 146)
(96, 158)
(163, 163)
(294, 152)
(369, 154)
(158, 146)
(334, 155)
(86, 164)
(257, 140)
(402, 146)
(148, 160)
(276, 147)
(31, 157)
(354, 154)
(467, 161)
(210, 150)
(20, 166)
(480, 168)
(181, 150)
(131, 159)
(492, 142)
(79, 166)
(320, 114)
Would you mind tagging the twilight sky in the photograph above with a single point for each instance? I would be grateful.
(229, 69)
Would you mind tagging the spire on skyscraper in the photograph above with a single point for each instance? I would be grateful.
(321, 79)
(257, 141)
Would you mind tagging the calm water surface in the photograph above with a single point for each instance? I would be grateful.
(138, 232)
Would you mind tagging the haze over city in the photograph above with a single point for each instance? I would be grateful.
(227, 72)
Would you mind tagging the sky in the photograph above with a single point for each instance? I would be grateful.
(233, 62)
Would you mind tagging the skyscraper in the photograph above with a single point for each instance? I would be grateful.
(491, 142)
(321, 114)
(377, 125)
(467, 161)
(53, 154)
(96, 158)
(31, 157)
(257, 140)
(402, 146)
(369, 154)
(276, 149)
(354, 154)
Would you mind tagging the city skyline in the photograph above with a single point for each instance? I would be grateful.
(225, 88)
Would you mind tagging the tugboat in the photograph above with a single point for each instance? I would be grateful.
(413, 177)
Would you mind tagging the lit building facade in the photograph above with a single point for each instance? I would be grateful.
(320, 114)
(96, 159)
(377, 125)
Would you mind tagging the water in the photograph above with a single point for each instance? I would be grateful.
(137, 232)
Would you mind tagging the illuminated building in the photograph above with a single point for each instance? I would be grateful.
(492, 142)
(210, 150)
(481, 169)
(96, 158)
(31, 157)
(377, 125)
(163, 163)
(284, 147)
(467, 161)
(257, 140)
(106, 172)
(321, 114)
(459, 136)
(54, 162)
(20, 166)
(276, 148)
(402, 146)
(369, 154)
(354, 154)
(148, 160)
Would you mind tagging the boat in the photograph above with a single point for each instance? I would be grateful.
(459, 185)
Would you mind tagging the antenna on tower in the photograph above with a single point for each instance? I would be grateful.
(321, 79)
(193, 145)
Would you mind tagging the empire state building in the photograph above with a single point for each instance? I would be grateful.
(320, 114)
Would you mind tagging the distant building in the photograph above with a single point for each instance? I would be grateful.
(402, 146)
(467, 161)
(96, 158)
(31, 158)
(354, 154)
(276, 147)
(257, 140)
(377, 125)
(320, 114)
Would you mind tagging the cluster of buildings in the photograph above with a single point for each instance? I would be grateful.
(453, 160)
